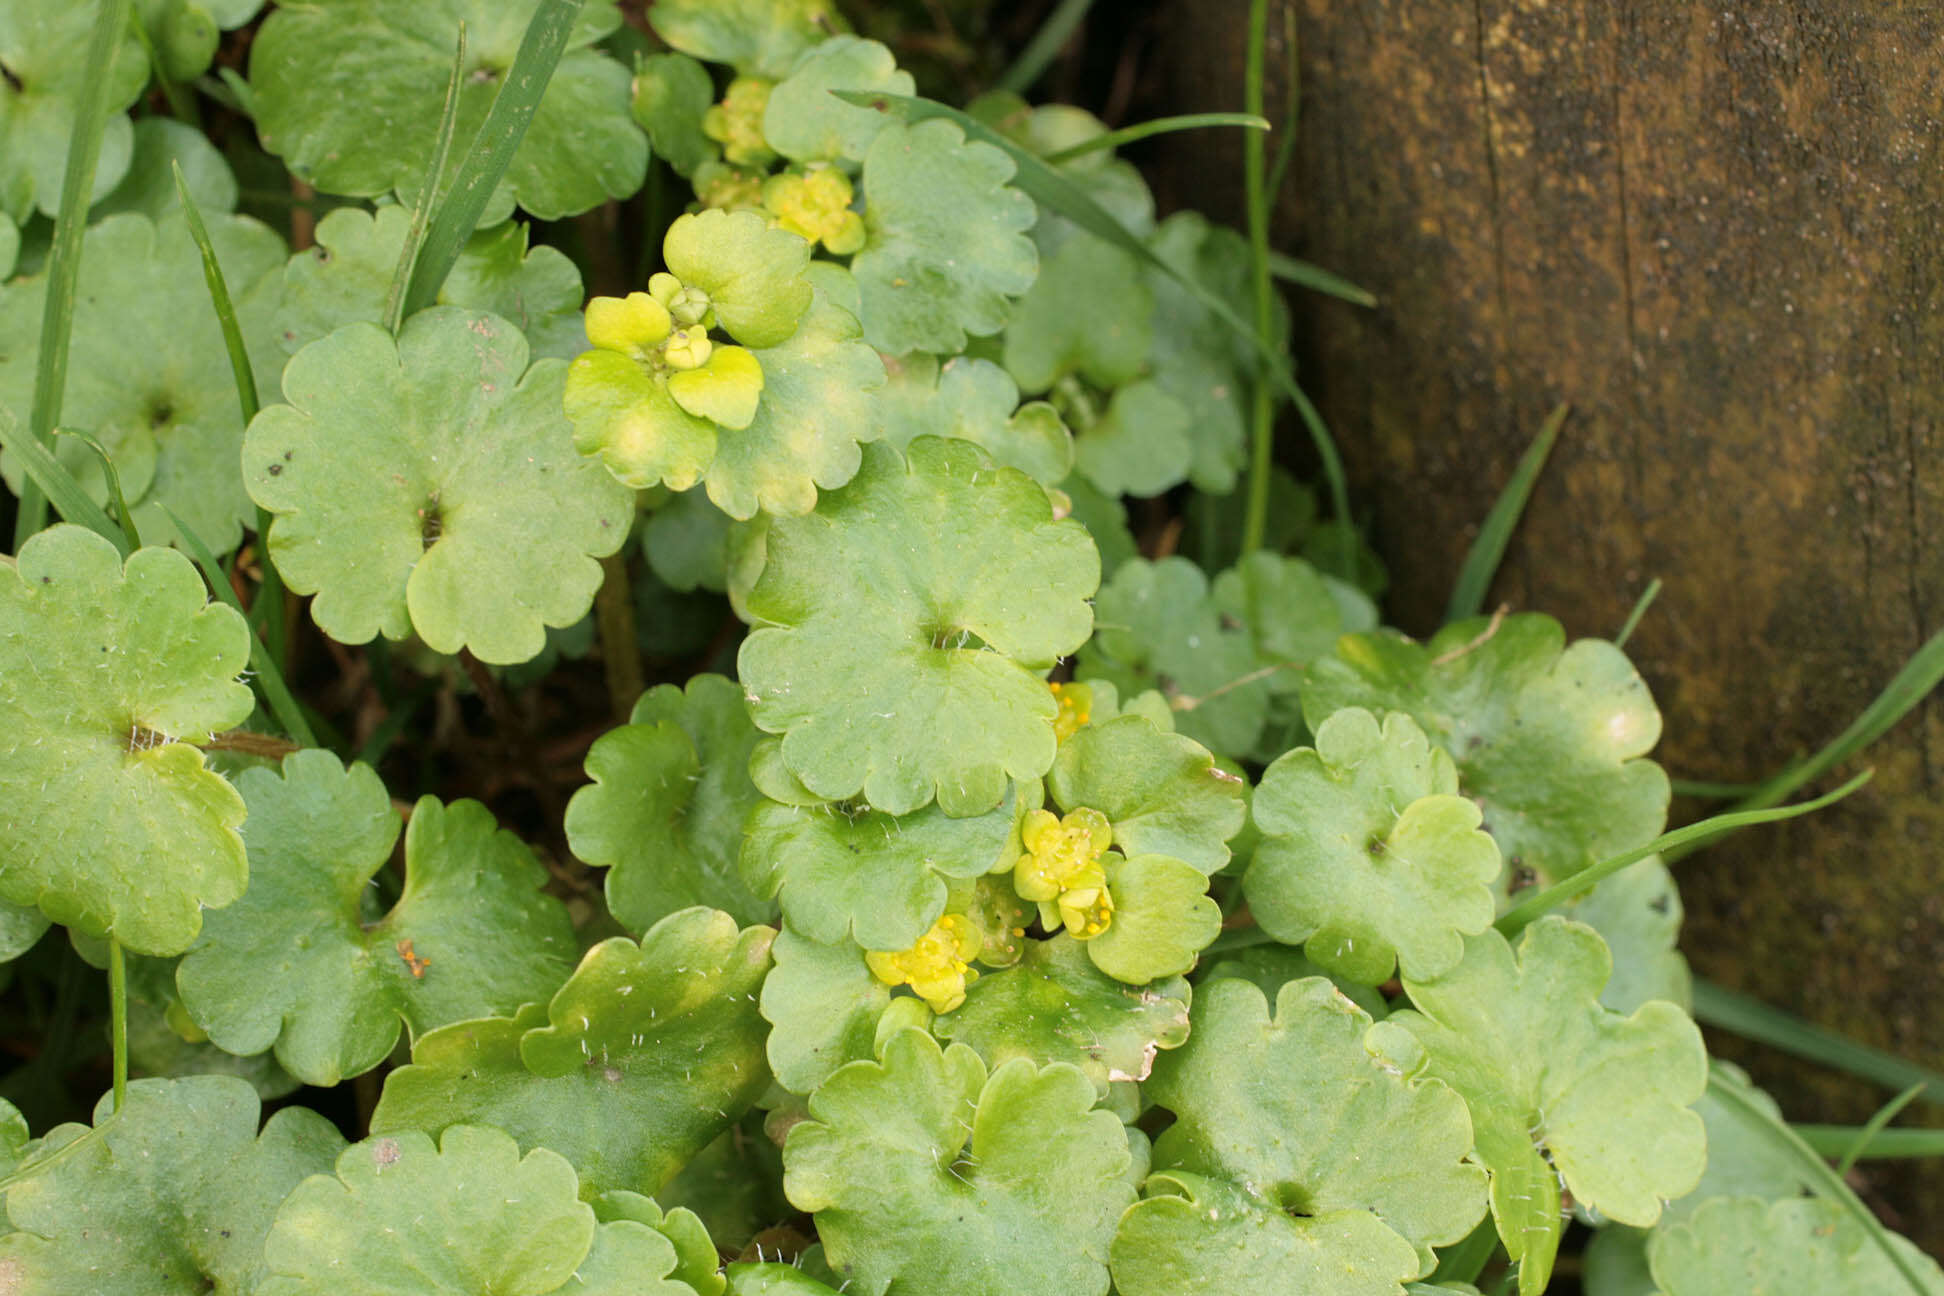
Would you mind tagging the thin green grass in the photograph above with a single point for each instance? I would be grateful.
(1632, 623)
(1262, 407)
(492, 150)
(428, 193)
(1158, 126)
(64, 256)
(55, 482)
(1883, 1145)
(1293, 270)
(1488, 550)
(1875, 1125)
(1764, 1023)
(1045, 46)
(113, 478)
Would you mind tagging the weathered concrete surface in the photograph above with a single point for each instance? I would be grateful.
(1718, 230)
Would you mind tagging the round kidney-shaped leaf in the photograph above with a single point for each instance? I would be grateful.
(823, 1005)
(806, 123)
(1755, 1247)
(1194, 1233)
(1054, 1005)
(665, 812)
(172, 1196)
(1550, 740)
(1369, 857)
(44, 49)
(925, 1172)
(301, 965)
(1297, 1106)
(756, 37)
(1162, 792)
(468, 1215)
(431, 484)
(108, 672)
(349, 93)
(903, 623)
(1561, 1089)
(644, 1056)
(975, 399)
(945, 250)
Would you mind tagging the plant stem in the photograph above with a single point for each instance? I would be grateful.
(118, 1017)
(1262, 411)
(1045, 47)
(614, 616)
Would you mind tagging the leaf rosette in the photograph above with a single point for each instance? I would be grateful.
(1550, 740)
(109, 673)
(902, 627)
(927, 1172)
(430, 484)
(305, 964)
(1369, 857)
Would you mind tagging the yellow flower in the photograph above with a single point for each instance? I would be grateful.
(1076, 708)
(688, 348)
(937, 967)
(737, 122)
(816, 207)
(1060, 853)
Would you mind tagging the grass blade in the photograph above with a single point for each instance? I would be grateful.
(1884, 1145)
(1053, 190)
(1488, 550)
(492, 150)
(1292, 104)
(1262, 409)
(1045, 46)
(1632, 623)
(1707, 830)
(428, 192)
(1874, 1126)
(269, 677)
(271, 595)
(1465, 1261)
(1815, 1171)
(1764, 1023)
(1900, 696)
(113, 479)
(1158, 126)
(1290, 269)
(1712, 791)
(64, 256)
(57, 484)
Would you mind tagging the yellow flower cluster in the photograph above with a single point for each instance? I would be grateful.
(938, 967)
(737, 122)
(1065, 866)
(816, 206)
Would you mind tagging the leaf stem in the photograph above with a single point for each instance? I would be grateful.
(1157, 126)
(64, 257)
(614, 615)
(1262, 410)
(118, 1017)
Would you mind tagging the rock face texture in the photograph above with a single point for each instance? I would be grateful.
(1718, 230)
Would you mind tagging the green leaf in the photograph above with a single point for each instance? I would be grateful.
(644, 1056)
(772, 1279)
(172, 425)
(345, 278)
(1162, 918)
(431, 484)
(847, 872)
(925, 1172)
(348, 92)
(469, 1215)
(172, 1194)
(1369, 857)
(757, 37)
(148, 187)
(904, 622)
(823, 1006)
(1298, 1107)
(665, 812)
(45, 50)
(305, 964)
(753, 273)
(1549, 739)
(9, 246)
(1142, 444)
(1562, 1091)
(1270, 967)
(1089, 314)
(977, 400)
(671, 92)
(817, 404)
(105, 670)
(1194, 1233)
(1755, 1247)
(1637, 912)
(1744, 1157)
(806, 123)
(946, 248)
(1162, 792)
(1054, 1005)
(697, 1261)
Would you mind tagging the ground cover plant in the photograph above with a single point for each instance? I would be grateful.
(809, 747)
